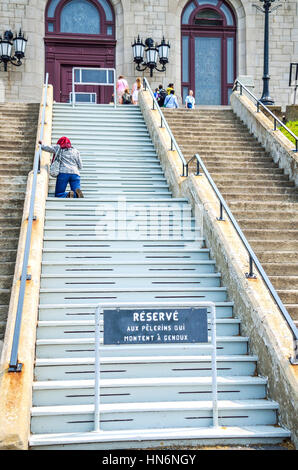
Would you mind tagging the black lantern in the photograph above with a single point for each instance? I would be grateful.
(7, 43)
(153, 53)
(138, 51)
(164, 51)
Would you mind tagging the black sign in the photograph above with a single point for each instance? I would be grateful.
(182, 325)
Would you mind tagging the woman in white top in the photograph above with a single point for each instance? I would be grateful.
(135, 90)
(190, 101)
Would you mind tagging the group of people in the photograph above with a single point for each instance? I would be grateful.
(124, 95)
(168, 99)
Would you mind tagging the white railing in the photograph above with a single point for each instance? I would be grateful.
(95, 76)
(156, 305)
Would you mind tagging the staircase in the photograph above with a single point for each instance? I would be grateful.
(124, 242)
(259, 194)
(17, 145)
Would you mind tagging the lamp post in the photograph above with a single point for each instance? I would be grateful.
(7, 43)
(266, 98)
(152, 52)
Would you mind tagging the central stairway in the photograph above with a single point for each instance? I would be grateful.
(129, 240)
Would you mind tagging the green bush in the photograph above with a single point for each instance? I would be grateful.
(293, 126)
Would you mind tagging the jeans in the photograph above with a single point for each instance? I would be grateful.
(62, 180)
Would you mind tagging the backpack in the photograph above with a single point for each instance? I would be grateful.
(161, 97)
(127, 99)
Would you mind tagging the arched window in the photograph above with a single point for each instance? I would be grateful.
(80, 16)
(87, 17)
(208, 50)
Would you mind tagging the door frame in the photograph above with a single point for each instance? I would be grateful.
(224, 32)
(93, 53)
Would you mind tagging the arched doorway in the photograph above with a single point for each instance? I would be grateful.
(79, 33)
(208, 51)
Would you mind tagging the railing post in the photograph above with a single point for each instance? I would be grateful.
(97, 371)
(214, 367)
(251, 274)
(221, 213)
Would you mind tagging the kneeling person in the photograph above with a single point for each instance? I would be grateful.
(70, 164)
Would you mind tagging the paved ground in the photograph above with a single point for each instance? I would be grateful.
(287, 445)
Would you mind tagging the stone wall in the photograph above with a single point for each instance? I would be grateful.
(155, 18)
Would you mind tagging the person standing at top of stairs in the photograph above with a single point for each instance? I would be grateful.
(70, 164)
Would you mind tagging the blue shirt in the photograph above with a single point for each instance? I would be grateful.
(171, 102)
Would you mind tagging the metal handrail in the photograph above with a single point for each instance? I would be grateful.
(259, 103)
(166, 125)
(14, 365)
(253, 260)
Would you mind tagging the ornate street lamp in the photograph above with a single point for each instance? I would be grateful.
(7, 43)
(152, 54)
(266, 99)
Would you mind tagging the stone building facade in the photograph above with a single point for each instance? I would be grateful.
(151, 18)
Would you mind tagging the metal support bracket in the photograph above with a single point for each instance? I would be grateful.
(18, 368)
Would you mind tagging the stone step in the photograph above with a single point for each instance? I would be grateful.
(276, 256)
(214, 170)
(5, 296)
(271, 234)
(190, 148)
(267, 224)
(231, 196)
(17, 155)
(11, 242)
(229, 163)
(5, 282)
(258, 205)
(250, 215)
(15, 172)
(285, 282)
(7, 255)
(16, 204)
(288, 296)
(7, 268)
(255, 190)
(277, 269)
(293, 311)
(253, 178)
(205, 138)
(254, 184)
